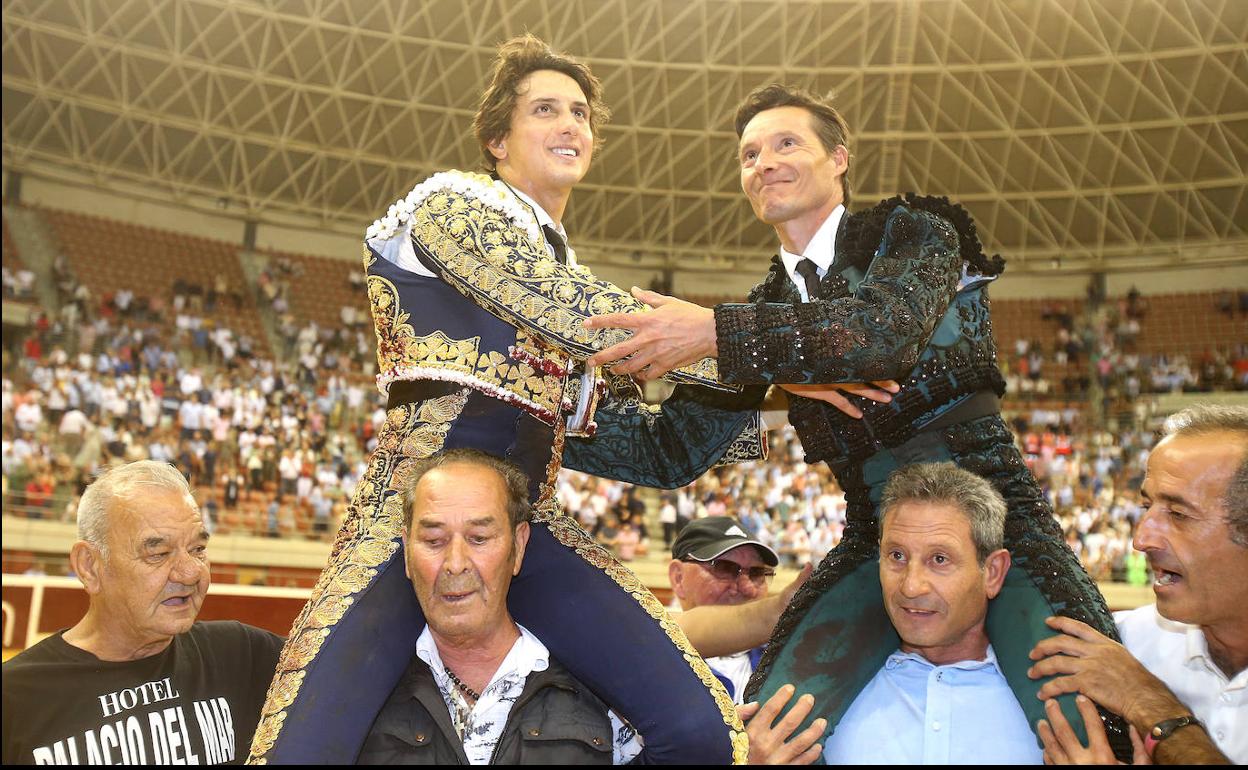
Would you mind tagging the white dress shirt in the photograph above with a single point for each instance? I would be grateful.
(1178, 655)
(480, 725)
(913, 712)
(821, 250)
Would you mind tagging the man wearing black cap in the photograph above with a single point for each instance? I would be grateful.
(715, 561)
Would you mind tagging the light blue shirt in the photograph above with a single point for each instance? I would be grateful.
(913, 712)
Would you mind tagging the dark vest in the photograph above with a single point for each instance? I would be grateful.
(556, 721)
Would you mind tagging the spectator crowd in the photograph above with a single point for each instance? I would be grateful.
(123, 384)
(1100, 345)
(276, 447)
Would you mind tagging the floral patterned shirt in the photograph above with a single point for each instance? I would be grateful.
(480, 725)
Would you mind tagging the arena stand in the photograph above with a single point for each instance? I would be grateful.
(318, 288)
(274, 436)
(11, 259)
(17, 276)
(109, 257)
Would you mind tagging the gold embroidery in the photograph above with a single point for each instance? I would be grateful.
(547, 489)
(285, 687)
(353, 579)
(498, 267)
(749, 445)
(304, 649)
(327, 612)
(266, 736)
(368, 539)
(567, 532)
(441, 411)
(740, 747)
(404, 354)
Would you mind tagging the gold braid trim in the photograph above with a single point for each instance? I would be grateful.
(549, 487)
(569, 533)
(402, 354)
(368, 538)
(565, 529)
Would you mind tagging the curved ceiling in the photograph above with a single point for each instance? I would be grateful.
(1082, 135)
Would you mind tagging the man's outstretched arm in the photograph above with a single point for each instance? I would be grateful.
(671, 444)
(876, 334)
(479, 251)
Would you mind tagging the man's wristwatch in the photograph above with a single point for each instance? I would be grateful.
(1165, 728)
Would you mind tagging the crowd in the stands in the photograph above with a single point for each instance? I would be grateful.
(284, 442)
(1100, 347)
(1091, 479)
(275, 448)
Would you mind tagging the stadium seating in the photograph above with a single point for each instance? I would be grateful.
(1189, 324)
(107, 255)
(318, 287)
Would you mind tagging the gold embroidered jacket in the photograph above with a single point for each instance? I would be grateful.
(520, 334)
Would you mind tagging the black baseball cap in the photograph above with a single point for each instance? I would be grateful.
(713, 536)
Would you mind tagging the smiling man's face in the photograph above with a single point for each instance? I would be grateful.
(550, 143)
(462, 553)
(1199, 573)
(935, 589)
(786, 172)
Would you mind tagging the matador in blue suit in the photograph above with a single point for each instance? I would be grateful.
(478, 304)
(896, 291)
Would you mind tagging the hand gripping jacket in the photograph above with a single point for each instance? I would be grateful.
(486, 355)
(907, 301)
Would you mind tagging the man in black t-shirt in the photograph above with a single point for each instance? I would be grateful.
(138, 680)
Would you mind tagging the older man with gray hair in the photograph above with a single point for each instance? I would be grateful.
(480, 688)
(1180, 676)
(941, 698)
(137, 680)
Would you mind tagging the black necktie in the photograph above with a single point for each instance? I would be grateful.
(809, 273)
(556, 242)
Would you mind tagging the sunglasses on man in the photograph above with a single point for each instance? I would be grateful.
(723, 569)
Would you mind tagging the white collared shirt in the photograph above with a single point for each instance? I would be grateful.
(821, 250)
(545, 220)
(914, 712)
(480, 725)
(1178, 655)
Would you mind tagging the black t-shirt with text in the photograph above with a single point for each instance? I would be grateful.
(197, 702)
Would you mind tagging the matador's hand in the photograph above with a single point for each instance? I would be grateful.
(880, 391)
(675, 334)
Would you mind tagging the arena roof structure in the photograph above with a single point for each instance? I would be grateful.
(1083, 135)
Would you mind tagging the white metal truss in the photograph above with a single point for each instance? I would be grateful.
(1082, 134)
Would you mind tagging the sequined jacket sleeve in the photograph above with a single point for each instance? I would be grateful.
(876, 333)
(671, 444)
(495, 263)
